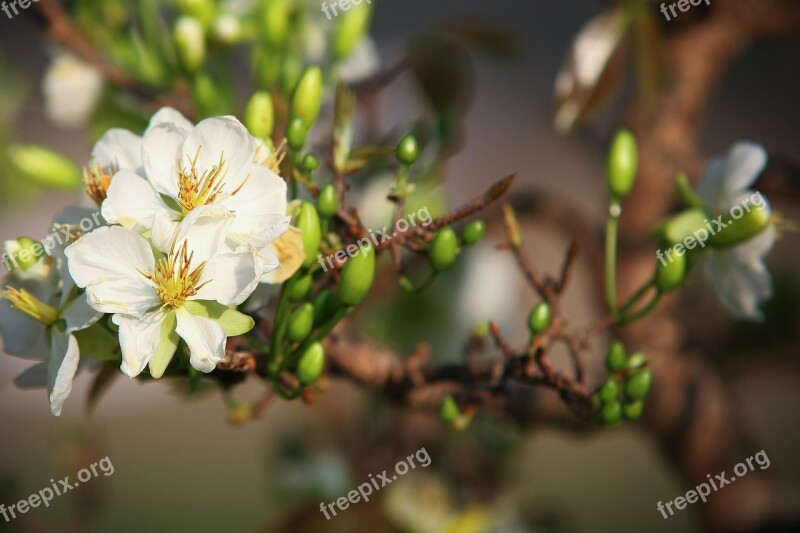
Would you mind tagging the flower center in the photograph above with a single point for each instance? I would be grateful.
(27, 303)
(173, 277)
(196, 190)
(98, 179)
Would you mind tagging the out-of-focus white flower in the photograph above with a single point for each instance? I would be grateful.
(71, 90)
(156, 298)
(363, 63)
(738, 274)
(188, 167)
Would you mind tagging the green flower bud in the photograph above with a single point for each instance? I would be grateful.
(449, 411)
(228, 29)
(622, 163)
(636, 360)
(616, 359)
(473, 232)
(301, 287)
(682, 225)
(670, 274)
(259, 115)
(328, 200)
(296, 134)
(44, 166)
(325, 305)
(300, 323)
(444, 249)
(190, 43)
(202, 10)
(739, 230)
(307, 98)
(633, 410)
(24, 253)
(539, 319)
(357, 276)
(311, 364)
(276, 20)
(609, 391)
(310, 162)
(350, 29)
(611, 413)
(638, 385)
(407, 150)
(308, 223)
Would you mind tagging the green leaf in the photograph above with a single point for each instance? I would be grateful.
(97, 342)
(166, 347)
(234, 322)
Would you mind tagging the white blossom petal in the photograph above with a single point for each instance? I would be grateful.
(205, 231)
(161, 152)
(257, 203)
(221, 138)
(139, 339)
(205, 338)
(230, 278)
(61, 369)
(79, 315)
(131, 201)
(119, 149)
(163, 230)
(169, 115)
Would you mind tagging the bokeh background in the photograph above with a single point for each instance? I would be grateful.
(180, 465)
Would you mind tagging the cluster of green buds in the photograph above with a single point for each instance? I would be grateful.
(621, 397)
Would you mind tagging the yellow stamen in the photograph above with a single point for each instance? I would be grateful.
(98, 179)
(195, 190)
(271, 159)
(174, 280)
(27, 303)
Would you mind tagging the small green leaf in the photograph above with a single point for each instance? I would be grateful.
(234, 322)
(97, 342)
(166, 347)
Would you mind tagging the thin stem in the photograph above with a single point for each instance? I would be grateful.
(642, 312)
(636, 297)
(612, 228)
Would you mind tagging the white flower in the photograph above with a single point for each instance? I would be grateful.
(188, 167)
(71, 90)
(362, 64)
(155, 298)
(738, 274)
(39, 316)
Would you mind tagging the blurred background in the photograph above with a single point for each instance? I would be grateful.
(182, 465)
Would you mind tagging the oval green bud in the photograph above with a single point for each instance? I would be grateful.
(25, 253)
(611, 413)
(685, 224)
(638, 385)
(328, 200)
(300, 323)
(633, 410)
(276, 20)
(539, 319)
(310, 162)
(449, 411)
(473, 232)
(308, 223)
(622, 163)
(296, 134)
(407, 150)
(636, 360)
(350, 29)
(444, 249)
(307, 98)
(609, 391)
(301, 287)
(259, 115)
(325, 305)
(357, 276)
(190, 43)
(44, 167)
(748, 225)
(616, 359)
(670, 274)
(311, 364)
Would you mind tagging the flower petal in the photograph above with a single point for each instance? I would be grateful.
(169, 115)
(139, 339)
(61, 369)
(205, 337)
(163, 231)
(79, 315)
(261, 197)
(131, 201)
(23, 335)
(230, 278)
(732, 174)
(109, 263)
(205, 230)
(119, 149)
(161, 151)
(221, 138)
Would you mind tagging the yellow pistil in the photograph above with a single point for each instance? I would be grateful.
(174, 280)
(27, 303)
(98, 179)
(195, 190)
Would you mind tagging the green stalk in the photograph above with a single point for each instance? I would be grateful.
(612, 229)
